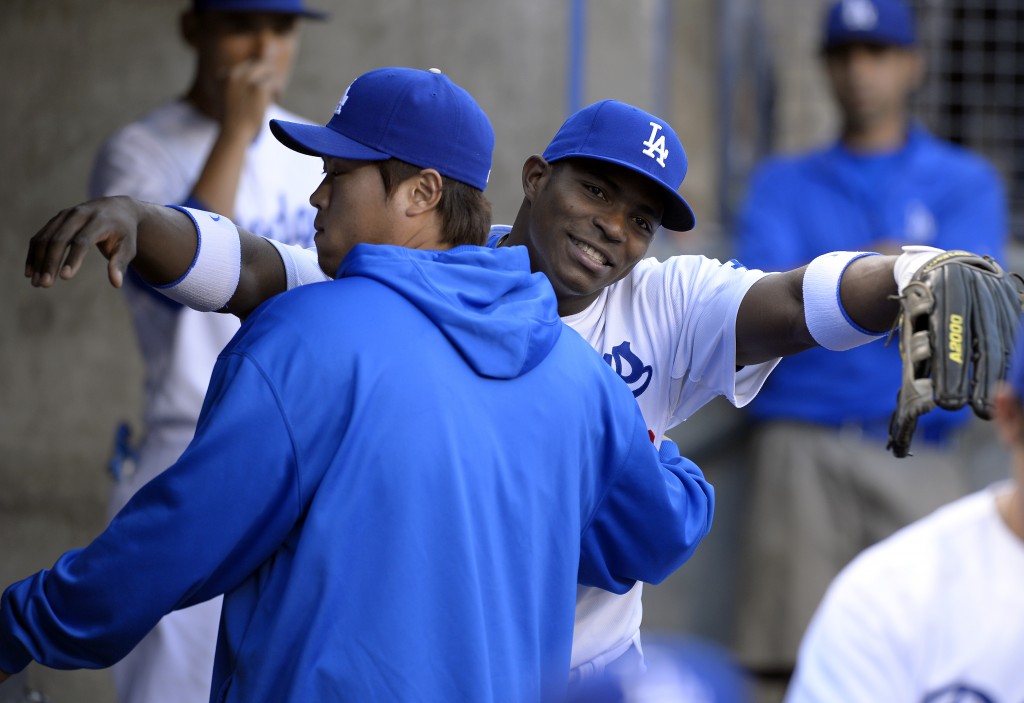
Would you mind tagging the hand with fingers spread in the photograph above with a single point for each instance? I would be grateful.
(114, 225)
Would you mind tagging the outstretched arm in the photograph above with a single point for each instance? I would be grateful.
(159, 242)
(176, 543)
(772, 319)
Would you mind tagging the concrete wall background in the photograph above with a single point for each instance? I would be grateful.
(74, 70)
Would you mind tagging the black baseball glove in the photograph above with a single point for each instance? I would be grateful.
(959, 317)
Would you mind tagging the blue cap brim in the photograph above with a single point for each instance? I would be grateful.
(316, 140)
(679, 215)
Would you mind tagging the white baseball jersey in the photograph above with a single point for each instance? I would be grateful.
(932, 613)
(669, 330)
(158, 159)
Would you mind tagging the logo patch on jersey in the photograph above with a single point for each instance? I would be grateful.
(656, 145)
(630, 368)
(919, 226)
(859, 15)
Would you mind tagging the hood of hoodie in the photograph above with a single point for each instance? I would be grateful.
(502, 318)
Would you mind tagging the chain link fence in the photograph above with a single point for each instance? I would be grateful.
(774, 96)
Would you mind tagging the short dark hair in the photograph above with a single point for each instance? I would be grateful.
(465, 211)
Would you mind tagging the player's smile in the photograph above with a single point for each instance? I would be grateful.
(591, 257)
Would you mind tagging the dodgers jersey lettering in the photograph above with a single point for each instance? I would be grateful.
(630, 368)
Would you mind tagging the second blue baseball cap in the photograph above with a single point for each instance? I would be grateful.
(420, 117)
(621, 134)
(887, 22)
(290, 7)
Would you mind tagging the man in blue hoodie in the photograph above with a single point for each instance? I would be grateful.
(439, 567)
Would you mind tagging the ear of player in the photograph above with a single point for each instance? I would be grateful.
(959, 316)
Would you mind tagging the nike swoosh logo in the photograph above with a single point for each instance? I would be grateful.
(214, 217)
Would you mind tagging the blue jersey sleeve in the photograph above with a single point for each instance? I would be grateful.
(194, 532)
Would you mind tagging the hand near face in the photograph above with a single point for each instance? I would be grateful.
(249, 89)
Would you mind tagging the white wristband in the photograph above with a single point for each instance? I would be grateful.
(211, 280)
(908, 263)
(301, 266)
(826, 318)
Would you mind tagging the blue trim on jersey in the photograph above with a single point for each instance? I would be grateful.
(496, 233)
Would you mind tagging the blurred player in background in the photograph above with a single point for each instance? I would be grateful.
(210, 149)
(931, 613)
(823, 486)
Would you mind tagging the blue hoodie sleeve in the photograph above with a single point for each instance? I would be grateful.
(194, 532)
(654, 514)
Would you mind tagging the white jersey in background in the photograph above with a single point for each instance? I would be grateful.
(159, 159)
(669, 330)
(932, 613)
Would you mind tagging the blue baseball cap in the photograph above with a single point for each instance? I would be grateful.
(290, 7)
(420, 117)
(621, 134)
(887, 22)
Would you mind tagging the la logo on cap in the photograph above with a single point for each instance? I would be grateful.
(859, 15)
(656, 145)
(344, 99)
